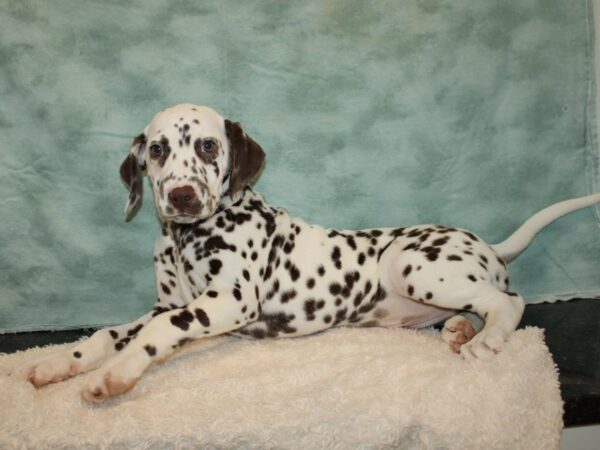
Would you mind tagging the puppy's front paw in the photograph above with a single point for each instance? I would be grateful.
(105, 386)
(50, 369)
(116, 378)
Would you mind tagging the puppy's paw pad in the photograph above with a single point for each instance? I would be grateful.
(457, 331)
(96, 394)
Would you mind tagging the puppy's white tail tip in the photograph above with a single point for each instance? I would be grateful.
(522, 237)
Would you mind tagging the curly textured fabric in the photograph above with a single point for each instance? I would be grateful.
(375, 388)
(371, 114)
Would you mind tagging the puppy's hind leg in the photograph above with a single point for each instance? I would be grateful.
(456, 279)
(503, 311)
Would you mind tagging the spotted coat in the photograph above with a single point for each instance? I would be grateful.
(228, 262)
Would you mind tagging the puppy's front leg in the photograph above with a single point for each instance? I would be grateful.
(82, 357)
(215, 312)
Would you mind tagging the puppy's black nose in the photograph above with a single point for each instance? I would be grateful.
(182, 198)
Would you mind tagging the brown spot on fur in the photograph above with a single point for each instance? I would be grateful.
(411, 319)
(381, 313)
(206, 156)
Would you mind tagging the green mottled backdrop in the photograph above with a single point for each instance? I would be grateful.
(474, 114)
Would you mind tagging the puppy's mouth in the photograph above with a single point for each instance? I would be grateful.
(181, 218)
(173, 215)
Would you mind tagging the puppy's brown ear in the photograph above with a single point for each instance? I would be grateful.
(132, 173)
(246, 157)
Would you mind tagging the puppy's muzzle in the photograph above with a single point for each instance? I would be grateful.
(184, 200)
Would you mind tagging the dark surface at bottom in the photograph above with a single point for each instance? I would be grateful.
(572, 335)
(10, 343)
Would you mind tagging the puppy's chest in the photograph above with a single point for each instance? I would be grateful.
(227, 248)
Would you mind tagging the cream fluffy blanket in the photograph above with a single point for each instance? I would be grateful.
(343, 389)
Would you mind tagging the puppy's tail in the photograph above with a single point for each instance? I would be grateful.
(520, 239)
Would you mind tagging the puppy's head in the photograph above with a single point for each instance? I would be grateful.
(193, 156)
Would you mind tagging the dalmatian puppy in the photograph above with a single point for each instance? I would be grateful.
(227, 262)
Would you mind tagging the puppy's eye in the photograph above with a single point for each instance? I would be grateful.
(155, 151)
(208, 146)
